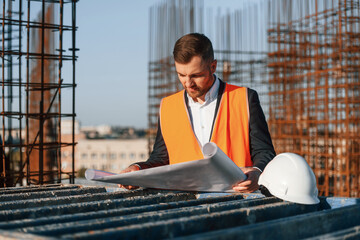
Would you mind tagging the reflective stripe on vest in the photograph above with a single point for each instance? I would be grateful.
(230, 133)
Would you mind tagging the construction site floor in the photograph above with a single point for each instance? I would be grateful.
(98, 212)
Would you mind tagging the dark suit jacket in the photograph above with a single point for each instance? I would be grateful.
(261, 147)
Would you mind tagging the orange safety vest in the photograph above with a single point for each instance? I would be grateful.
(230, 132)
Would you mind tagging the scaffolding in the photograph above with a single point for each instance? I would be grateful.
(37, 45)
(303, 59)
(314, 69)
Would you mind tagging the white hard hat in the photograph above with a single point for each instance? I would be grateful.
(289, 177)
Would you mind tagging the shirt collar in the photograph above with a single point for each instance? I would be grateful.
(211, 95)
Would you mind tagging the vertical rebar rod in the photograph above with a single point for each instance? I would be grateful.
(20, 95)
(9, 81)
(3, 174)
(72, 178)
(59, 87)
(42, 89)
(347, 104)
(28, 147)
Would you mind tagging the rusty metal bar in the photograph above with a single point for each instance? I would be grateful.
(3, 156)
(74, 49)
(21, 175)
(60, 81)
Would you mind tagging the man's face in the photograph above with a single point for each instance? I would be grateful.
(196, 77)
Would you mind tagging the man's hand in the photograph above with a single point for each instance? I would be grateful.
(131, 168)
(251, 183)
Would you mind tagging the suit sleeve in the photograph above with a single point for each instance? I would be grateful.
(261, 147)
(159, 156)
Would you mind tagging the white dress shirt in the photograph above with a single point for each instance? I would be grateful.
(202, 115)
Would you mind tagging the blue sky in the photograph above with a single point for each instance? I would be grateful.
(111, 71)
(112, 64)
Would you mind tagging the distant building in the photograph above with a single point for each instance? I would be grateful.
(109, 154)
(66, 127)
(104, 147)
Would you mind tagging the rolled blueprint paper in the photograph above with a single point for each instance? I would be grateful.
(92, 174)
(215, 173)
(219, 158)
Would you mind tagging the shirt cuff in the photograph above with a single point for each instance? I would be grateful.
(258, 169)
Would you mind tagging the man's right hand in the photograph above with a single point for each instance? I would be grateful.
(131, 168)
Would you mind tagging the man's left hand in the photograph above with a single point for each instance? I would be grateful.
(251, 183)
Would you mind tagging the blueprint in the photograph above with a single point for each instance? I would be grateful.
(215, 173)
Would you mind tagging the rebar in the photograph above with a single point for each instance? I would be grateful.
(30, 137)
(314, 69)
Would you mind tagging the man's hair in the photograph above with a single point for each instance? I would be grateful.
(193, 44)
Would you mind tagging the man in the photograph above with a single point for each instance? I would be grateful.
(209, 110)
